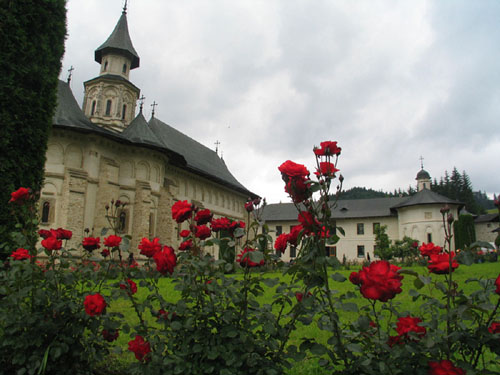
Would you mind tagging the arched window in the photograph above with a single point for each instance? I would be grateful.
(105, 65)
(45, 212)
(108, 107)
(122, 222)
(92, 111)
(124, 69)
(124, 111)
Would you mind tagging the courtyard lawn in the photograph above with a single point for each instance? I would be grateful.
(463, 273)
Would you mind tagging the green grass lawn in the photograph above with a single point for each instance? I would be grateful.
(484, 270)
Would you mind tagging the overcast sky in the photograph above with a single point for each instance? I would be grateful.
(389, 80)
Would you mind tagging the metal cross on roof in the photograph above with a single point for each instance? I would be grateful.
(217, 143)
(125, 7)
(141, 102)
(421, 162)
(70, 73)
(153, 105)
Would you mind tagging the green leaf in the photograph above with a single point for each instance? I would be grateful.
(349, 306)
(104, 231)
(341, 230)
(339, 277)
(317, 349)
(417, 283)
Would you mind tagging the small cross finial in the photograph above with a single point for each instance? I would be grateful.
(153, 111)
(125, 7)
(421, 162)
(70, 73)
(217, 143)
(141, 102)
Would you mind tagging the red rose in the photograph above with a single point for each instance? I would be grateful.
(308, 221)
(394, 340)
(294, 234)
(63, 234)
(110, 336)
(291, 169)
(440, 263)
(408, 324)
(184, 233)
(94, 304)
(494, 327)
(131, 286)
(203, 217)
(326, 169)
(112, 241)
(444, 367)
(186, 245)
(52, 243)
(165, 260)
(20, 254)
(105, 253)
(379, 281)
(164, 315)
(181, 211)
(299, 296)
(328, 148)
(249, 206)
(281, 243)
(497, 284)
(44, 233)
(426, 250)
(244, 260)
(91, 243)
(20, 195)
(222, 223)
(149, 248)
(298, 189)
(354, 278)
(203, 232)
(139, 347)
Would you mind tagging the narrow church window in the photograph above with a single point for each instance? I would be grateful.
(124, 111)
(122, 222)
(45, 212)
(105, 65)
(151, 225)
(108, 107)
(429, 237)
(279, 230)
(361, 228)
(293, 251)
(92, 111)
(361, 251)
(124, 70)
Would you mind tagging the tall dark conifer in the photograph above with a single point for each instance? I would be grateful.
(31, 46)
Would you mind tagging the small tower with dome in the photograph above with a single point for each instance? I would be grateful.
(110, 98)
(423, 178)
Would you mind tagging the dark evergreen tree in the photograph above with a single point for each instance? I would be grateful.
(464, 231)
(32, 44)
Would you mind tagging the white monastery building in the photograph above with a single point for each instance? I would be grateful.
(104, 151)
(417, 216)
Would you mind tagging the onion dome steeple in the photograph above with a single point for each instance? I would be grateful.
(110, 98)
(423, 177)
(119, 42)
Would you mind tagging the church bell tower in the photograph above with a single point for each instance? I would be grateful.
(110, 98)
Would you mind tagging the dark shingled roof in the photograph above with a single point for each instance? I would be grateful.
(345, 209)
(119, 42)
(486, 218)
(426, 196)
(199, 158)
(69, 115)
(181, 150)
(139, 132)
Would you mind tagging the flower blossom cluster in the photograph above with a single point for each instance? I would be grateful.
(440, 262)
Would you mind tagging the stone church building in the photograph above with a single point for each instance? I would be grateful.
(417, 216)
(104, 151)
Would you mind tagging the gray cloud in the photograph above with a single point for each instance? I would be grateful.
(390, 80)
